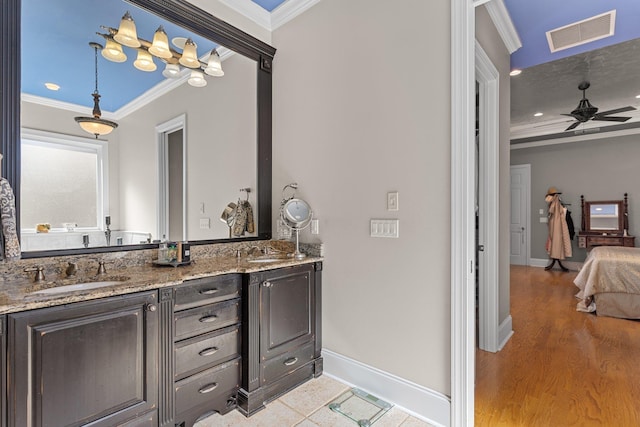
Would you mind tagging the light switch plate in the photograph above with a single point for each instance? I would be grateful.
(205, 223)
(315, 226)
(544, 219)
(385, 228)
(392, 201)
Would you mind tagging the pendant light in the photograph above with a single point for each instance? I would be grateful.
(96, 125)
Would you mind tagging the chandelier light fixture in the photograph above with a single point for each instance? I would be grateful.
(96, 125)
(126, 35)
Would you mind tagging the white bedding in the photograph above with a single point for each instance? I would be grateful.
(609, 269)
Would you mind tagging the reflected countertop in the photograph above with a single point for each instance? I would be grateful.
(21, 294)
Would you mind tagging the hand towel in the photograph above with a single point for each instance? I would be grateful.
(10, 242)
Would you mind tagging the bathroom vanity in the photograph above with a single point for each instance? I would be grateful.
(164, 353)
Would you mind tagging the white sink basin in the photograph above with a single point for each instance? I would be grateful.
(77, 287)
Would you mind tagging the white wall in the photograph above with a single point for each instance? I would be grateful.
(361, 108)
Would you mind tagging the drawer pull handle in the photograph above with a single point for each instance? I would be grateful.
(210, 291)
(208, 388)
(208, 351)
(291, 361)
(208, 319)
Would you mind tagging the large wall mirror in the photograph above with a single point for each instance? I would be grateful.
(183, 154)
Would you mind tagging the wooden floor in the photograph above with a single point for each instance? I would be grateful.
(561, 367)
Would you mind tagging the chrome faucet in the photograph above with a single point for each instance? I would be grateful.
(107, 232)
(39, 277)
(72, 269)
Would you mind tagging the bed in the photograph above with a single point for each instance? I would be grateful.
(609, 282)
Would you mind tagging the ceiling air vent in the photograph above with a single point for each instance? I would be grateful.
(585, 31)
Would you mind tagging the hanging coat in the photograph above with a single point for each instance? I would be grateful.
(558, 242)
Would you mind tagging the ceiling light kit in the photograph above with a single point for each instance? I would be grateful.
(126, 35)
(585, 111)
(96, 125)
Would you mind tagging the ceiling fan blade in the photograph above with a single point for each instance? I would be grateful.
(611, 118)
(617, 110)
(573, 126)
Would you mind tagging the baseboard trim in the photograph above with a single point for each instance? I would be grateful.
(571, 265)
(505, 332)
(421, 402)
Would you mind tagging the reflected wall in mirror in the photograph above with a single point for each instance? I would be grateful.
(610, 217)
(147, 187)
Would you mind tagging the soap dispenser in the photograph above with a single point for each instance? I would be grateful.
(163, 249)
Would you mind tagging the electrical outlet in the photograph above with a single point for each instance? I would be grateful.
(392, 201)
(202, 207)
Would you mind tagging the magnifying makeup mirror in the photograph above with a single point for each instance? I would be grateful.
(296, 214)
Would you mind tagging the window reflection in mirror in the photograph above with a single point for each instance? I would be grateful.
(604, 216)
(220, 138)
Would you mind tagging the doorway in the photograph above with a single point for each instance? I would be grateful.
(487, 202)
(172, 179)
(520, 225)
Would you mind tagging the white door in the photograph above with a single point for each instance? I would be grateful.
(520, 215)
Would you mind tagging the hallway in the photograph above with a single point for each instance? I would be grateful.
(561, 367)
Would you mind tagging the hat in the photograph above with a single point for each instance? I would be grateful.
(553, 190)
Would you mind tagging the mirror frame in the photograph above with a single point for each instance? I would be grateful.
(622, 215)
(192, 19)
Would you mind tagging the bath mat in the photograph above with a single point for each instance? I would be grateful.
(359, 406)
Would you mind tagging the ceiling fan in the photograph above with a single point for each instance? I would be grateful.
(585, 111)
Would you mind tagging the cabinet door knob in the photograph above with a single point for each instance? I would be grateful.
(208, 388)
(209, 291)
(291, 361)
(208, 319)
(151, 307)
(267, 284)
(208, 351)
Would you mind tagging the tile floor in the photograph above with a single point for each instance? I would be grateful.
(305, 406)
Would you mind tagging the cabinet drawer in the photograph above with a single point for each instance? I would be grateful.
(605, 241)
(207, 318)
(194, 354)
(287, 362)
(193, 293)
(207, 385)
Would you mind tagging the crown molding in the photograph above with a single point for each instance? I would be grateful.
(501, 19)
(251, 10)
(270, 21)
(289, 10)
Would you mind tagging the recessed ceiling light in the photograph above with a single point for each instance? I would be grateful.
(515, 72)
(537, 114)
(51, 86)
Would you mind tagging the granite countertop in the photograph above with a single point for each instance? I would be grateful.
(19, 295)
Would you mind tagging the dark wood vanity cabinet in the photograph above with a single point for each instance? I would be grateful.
(202, 360)
(90, 362)
(280, 332)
